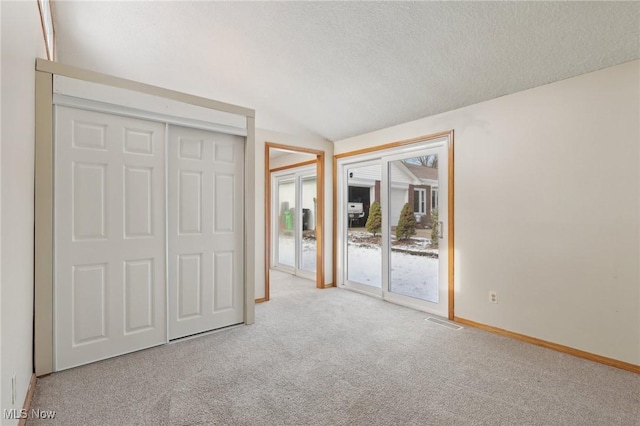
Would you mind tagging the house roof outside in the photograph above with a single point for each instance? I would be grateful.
(422, 172)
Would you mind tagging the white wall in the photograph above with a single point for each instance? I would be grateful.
(263, 136)
(289, 159)
(22, 42)
(547, 199)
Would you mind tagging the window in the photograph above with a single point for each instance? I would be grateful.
(420, 201)
(434, 198)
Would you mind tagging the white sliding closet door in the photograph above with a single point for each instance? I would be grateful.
(109, 236)
(206, 192)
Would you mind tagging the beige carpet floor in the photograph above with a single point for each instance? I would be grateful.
(334, 357)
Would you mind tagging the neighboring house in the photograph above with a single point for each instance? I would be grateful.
(411, 183)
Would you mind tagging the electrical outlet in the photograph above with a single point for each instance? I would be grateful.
(13, 389)
(493, 297)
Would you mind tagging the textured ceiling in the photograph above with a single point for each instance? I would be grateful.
(338, 69)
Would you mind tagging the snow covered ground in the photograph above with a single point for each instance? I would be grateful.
(415, 245)
(414, 270)
(287, 252)
(411, 275)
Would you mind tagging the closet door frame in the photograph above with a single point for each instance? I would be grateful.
(45, 73)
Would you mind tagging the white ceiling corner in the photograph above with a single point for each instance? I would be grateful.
(339, 69)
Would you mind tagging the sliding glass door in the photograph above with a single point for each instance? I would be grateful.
(307, 214)
(285, 215)
(393, 226)
(294, 222)
(417, 250)
(364, 226)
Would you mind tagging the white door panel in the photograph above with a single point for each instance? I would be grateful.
(206, 184)
(109, 236)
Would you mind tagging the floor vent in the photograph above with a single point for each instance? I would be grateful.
(443, 323)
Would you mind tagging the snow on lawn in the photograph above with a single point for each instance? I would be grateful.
(287, 252)
(411, 275)
(364, 264)
(414, 275)
(415, 245)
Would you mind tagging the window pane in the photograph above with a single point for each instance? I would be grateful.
(309, 210)
(434, 198)
(286, 222)
(414, 249)
(364, 251)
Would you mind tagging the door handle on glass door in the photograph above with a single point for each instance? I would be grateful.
(440, 226)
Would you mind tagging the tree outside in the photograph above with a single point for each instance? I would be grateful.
(406, 224)
(374, 221)
(434, 228)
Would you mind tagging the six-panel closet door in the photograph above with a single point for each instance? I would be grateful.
(206, 210)
(113, 207)
(109, 289)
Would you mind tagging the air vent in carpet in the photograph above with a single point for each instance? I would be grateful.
(443, 323)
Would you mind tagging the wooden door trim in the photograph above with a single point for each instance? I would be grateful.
(395, 144)
(320, 172)
(294, 166)
(450, 217)
(451, 241)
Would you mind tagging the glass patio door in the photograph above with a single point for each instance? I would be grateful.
(294, 222)
(363, 226)
(415, 229)
(397, 249)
